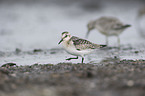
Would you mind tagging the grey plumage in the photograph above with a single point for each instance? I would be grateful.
(141, 12)
(139, 21)
(109, 26)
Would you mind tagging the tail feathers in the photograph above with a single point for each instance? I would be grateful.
(122, 27)
(99, 46)
(125, 26)
(102, 46)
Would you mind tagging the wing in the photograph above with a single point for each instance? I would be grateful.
(109, 23)
(82, 44)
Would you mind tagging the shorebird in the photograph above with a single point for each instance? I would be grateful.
(109, 26)
(141, 12)
(77, 46)
(139, 19)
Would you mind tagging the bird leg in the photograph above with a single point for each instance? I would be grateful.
(107, 40)
(82, 60)
(72, 58)
(118, 41)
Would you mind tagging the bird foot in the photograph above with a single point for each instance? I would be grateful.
(68, 59)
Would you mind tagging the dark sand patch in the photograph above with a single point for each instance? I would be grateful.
(112, 78)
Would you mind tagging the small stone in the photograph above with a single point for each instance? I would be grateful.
(13, 75)
(55, 75)
(37, 50)
(26, 73)
(115, 57)
(49, 92)
(52, 52)
(13, 86)
(18, 50)
(130, 83)
(92, 85)
(136, 52)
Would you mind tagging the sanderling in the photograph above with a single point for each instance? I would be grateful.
(109, 26)
(77, 46)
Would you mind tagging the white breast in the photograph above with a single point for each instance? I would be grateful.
(71, 49)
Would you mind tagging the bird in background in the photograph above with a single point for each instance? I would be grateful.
(108, 26)
(139, 19)
(141, 12)
(77, 46)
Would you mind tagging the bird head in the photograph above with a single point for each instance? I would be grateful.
(65, 37)
(90, 27)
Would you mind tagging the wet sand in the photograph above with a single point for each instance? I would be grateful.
(112, 77)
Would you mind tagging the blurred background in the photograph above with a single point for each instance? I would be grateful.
(29, 24)
(38, 24)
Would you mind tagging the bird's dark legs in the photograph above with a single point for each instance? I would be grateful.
(82, 60)
(75, 58)
(72, 58)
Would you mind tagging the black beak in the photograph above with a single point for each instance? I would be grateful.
(87, 33)
(60, 41)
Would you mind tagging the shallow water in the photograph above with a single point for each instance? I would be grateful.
(29, 26)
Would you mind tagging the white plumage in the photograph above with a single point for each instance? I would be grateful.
(77, 46)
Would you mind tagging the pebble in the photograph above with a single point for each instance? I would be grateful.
(130, 83)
